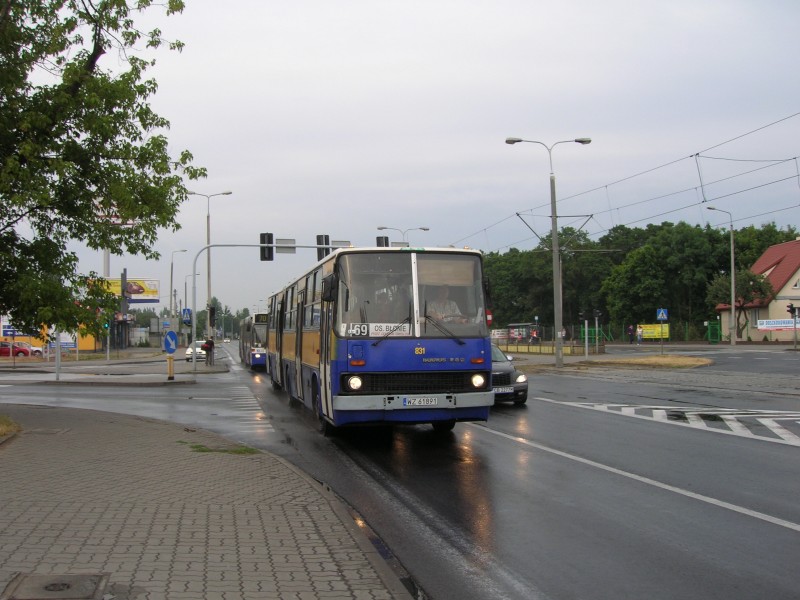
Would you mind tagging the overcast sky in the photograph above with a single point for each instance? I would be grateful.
(338, 117)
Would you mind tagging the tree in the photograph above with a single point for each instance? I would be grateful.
(751, 242)
(636, 287)
(82, 155)
(749, 288)
(143, 317)
(519, 282)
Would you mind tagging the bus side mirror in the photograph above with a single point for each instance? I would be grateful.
(330, 287)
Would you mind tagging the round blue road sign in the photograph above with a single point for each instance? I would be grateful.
(171, 342)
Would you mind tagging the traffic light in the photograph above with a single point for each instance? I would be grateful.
(212, 316)
(790, 309)
(325, 242)
(105, 324)
(267, 249)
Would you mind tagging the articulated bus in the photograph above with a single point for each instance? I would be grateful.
(252, 341)
(384, 336)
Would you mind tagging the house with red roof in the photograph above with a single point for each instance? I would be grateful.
(768, 318)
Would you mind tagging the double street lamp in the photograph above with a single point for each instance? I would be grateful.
(732, 324)
(404, 232)
(557, 302)
(208, 198)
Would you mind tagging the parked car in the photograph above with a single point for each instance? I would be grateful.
(509, 384)
(197, 346)
(18, 349)
(33, 350)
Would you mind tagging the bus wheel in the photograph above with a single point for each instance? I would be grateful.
(324, 427)
(443, 426)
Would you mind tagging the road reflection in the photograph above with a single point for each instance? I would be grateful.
(447, 473)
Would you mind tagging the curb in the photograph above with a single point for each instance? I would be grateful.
(346, 514)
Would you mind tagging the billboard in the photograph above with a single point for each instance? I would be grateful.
(139, 291)
(775, 324)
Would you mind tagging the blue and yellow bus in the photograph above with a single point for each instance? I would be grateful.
(385, 335)
(252, 341)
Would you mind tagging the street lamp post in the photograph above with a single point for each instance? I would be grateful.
(557, 308)
(732, 326)
(404, 232)
(208, 198)
(171, 292)
(185, 294)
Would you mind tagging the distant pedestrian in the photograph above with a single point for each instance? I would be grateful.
(630, 334)
(639, 335)
(209, 348)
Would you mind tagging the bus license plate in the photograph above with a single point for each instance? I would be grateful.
(420, 401)
(503, 390)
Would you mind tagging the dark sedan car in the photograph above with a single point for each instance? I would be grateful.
(509, 384)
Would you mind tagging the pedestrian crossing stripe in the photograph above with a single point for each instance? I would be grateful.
(767, 425)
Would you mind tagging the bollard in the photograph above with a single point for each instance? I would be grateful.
(170, 367)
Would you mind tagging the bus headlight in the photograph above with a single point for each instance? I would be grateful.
(354, 383)
(478, 380)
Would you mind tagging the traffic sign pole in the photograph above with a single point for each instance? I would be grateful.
(662, 315)
(170, 345)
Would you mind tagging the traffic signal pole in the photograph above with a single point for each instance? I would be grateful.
(195, 273)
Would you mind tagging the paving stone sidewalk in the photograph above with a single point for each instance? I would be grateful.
(87, 492)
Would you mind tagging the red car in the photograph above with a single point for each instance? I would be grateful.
(5, 350)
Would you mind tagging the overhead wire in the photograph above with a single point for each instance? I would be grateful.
(773, 162)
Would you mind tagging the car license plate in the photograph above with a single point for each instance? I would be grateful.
(420, 401)
(503, 390)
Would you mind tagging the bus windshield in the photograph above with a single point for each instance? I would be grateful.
(407, 294)
(259, 336)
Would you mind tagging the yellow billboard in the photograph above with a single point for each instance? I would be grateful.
(138, 290)
(655, 332)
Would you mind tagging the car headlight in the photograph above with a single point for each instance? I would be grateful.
(478, 381)
(521, 378)
(354, 383)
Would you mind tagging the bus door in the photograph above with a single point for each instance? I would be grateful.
(277, 375)
(325, 329)
(298, 346)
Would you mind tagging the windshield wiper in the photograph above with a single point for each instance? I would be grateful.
(444, 330)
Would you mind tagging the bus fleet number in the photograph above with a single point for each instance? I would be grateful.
(358, 329)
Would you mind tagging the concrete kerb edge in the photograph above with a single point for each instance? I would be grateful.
(343, 512)
(121, 383)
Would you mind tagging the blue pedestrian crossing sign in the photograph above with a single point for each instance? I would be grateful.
(186, 316)
(661, 315)
(171, 342)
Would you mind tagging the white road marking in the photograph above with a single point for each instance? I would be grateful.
(780, 430)
(645, 480)
(731, 417)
